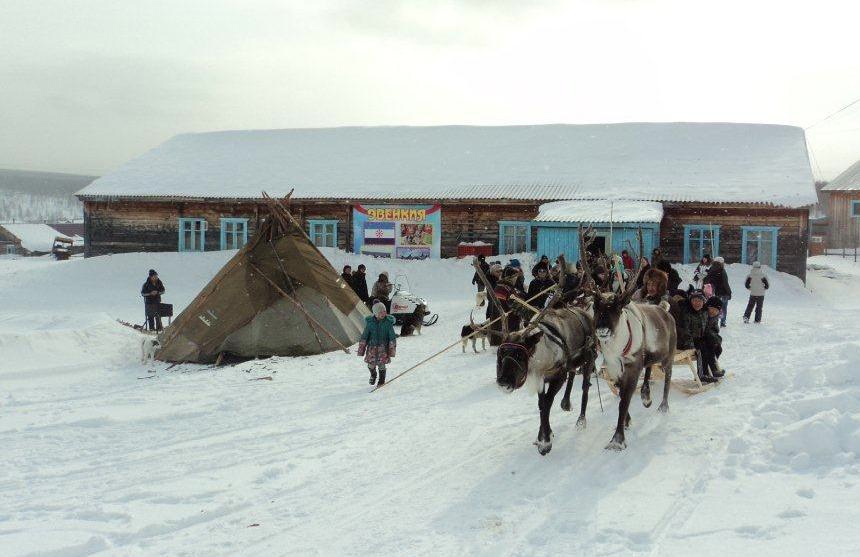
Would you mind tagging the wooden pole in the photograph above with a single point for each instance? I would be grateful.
(291, 299)
(483, 327)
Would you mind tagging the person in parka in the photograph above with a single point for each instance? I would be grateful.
(381, 290)
(378, 342)
(540, 283)
(359, 283)
(757, 284)
(346, 275)
(691, 327)
(719, 281)
(542, 264)
(151, 291)
(485, 268)
(701, 271)
(712, 343)
(655, 289)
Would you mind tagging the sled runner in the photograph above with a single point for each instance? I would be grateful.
(684, 357)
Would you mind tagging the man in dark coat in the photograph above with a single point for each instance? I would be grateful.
(346, 275)
(542, 264)
(151, 291)
(719, 281)
(485, 268)
(359, 283)
(538, 285)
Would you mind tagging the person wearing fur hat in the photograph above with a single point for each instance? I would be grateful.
(692, 327)
(654, 290)
(673, 277)
(378, 342)
(757, 284)
(719, 281)
(151, 291)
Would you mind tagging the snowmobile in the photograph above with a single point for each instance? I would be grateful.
(404, 302)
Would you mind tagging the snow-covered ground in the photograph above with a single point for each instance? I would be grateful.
(203, 461)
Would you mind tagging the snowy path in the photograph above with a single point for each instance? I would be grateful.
(206, 462)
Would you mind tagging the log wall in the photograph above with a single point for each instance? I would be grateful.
(119, 226)
(844, 229)
(792, 242)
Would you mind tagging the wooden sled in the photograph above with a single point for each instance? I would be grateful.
(683, 357)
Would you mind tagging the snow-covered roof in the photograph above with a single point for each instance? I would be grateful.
(36, 237)
(600, 211)
(849, 180)
(710, 162)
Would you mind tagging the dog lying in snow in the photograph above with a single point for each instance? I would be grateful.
(413, 323)
(467, 330)
(148, 347)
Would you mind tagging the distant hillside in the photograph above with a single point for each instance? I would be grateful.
(40, 196)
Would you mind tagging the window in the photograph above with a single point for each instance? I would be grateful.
(10, 249)
(855, 208)
(759, 244)
(192, 234)
(234, 233)
(515, 237)
(700, 239)
(323, 233)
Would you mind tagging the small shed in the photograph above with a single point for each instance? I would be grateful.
(32, 239)
(615, 223)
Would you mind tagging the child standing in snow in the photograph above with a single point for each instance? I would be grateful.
(757, 284)
(378, 342)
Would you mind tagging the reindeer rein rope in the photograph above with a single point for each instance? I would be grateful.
(483, 328)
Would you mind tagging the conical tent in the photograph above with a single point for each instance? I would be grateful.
(278, 296)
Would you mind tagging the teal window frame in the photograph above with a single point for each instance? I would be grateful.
(745, 230)
(10, 249)
(504, 224)
(316, 229)
(855, 208)
(701, 229)
(188, 222)
(234, 221)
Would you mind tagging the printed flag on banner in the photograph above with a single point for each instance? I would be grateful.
(379, 233)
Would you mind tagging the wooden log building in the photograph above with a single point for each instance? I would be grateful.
(741, 191)
(843, 209)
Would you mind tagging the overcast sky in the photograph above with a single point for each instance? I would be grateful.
(87, 84)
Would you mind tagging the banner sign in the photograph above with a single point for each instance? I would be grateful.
(402, 232)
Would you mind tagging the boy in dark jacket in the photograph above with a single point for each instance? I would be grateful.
(378, 342)
(542, 264)
(151, 291)
(712, 343)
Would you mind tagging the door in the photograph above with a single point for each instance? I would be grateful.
(759, 244)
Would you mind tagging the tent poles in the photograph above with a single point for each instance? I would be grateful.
(298, 305)
(293, 288)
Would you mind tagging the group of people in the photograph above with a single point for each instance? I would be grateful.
(699, 312)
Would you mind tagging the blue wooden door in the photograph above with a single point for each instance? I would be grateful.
(553, 241)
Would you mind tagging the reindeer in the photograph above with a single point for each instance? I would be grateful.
(547, 352)
(633, 337)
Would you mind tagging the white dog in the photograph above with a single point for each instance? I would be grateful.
(148, 347)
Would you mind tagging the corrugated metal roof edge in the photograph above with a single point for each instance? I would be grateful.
(112, 197)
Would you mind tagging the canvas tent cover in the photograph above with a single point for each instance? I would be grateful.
(242, 314)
